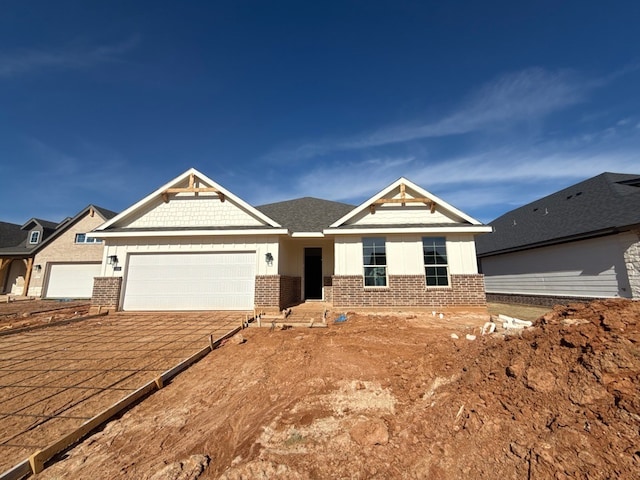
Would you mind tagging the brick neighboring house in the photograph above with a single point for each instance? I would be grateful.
(580, 243)
(67, 261)
(17, 246)
(193, 245)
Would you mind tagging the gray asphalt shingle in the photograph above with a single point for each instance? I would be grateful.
(605, 203)
(306, 214)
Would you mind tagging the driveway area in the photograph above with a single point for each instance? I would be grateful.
(54, 379)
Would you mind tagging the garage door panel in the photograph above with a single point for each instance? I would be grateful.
(71, 280)
(198, 281)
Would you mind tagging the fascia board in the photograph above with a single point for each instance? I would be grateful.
(152, 196)
(307, 235)
(414, 187)
(391, 230)
(187, 233)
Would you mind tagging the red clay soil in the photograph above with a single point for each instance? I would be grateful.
(28, 313)
(392, 397)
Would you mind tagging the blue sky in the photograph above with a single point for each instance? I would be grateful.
(488, 105)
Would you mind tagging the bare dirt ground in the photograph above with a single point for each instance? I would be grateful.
(392, 396)
(26, 313)
(54, 379)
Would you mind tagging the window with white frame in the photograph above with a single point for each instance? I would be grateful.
(34, 237)
(82, 238)
(436, 266)
(374, 258)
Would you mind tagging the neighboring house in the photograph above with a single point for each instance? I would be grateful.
(17, 247)
(66, 262)
(193, 245)
(579, 243)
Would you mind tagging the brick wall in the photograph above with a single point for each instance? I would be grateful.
(267, 292)
(290, 291)
(327, 287)
(537, 300)
(106, 293)
(408, 291)
(277, 291)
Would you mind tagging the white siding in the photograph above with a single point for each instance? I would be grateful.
(190, 211)
(122, 247)
(404, 255)
(292, 255)
(589, 268)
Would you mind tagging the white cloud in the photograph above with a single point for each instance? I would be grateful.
(27, 60)
(482, 183)
(510, 99)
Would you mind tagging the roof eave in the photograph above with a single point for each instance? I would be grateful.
(391, 230)
(187, 233)
(559, 241)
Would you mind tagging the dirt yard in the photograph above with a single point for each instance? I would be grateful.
(392, 396)
(54, 379)
(27, 313)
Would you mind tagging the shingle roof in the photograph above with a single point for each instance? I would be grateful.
(602, 204)
(106, 214)
(11, 234)
(306, 214)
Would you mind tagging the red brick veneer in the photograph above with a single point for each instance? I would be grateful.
(408, 290)
(277, 291)
(106, 292)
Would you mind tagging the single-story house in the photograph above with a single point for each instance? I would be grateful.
(66, 262)
(17, 246)
(576, 244)
(194, 245)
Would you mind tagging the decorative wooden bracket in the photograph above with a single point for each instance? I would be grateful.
(403, 200)
(192, 189)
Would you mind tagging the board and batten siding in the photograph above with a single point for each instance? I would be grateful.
(586, 268)
(404, 254)
(261, 245)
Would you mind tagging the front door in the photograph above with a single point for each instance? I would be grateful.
(313, 273)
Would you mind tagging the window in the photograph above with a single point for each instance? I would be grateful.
(375, 262)
(34, 237)
(436, 268)
(82, 238)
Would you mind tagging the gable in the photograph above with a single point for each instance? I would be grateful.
(404, 206)
(191, 201)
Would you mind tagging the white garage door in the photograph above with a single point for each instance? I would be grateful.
(190, 281)
(71, 280)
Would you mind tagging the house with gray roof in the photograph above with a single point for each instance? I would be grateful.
(17, 246)
(66, 262)
(52, 260)
(194, 245)
(579, 243)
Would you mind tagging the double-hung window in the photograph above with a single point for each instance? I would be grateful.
(34, 237)
(436, 266)
(374, 258)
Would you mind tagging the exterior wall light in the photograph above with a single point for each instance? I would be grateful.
(268, 258)
(37, 267)
(112, 260)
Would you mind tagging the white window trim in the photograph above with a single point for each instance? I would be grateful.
(94, 240)
(446, 265)
(37, 235)
(386, 267)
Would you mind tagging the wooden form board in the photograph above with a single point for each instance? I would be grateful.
(36, 462)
